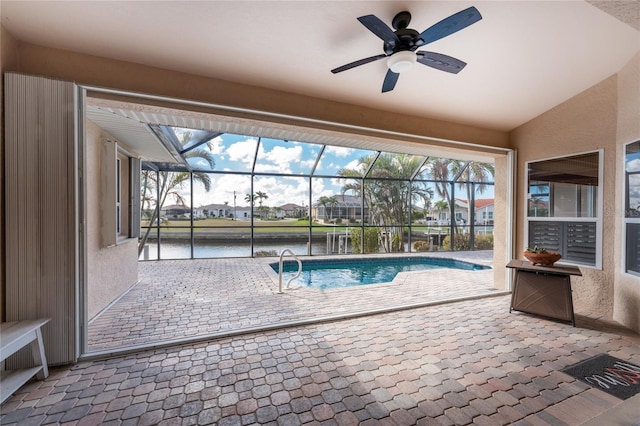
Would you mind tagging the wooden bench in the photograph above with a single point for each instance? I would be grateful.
(13, 337)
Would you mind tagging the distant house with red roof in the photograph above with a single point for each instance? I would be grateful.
(483, 211)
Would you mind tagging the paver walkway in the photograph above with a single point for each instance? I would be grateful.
(468, 362)
(190, 298)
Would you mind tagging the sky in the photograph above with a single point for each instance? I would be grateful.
(237, 153)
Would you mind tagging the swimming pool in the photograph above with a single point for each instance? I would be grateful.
(338, 273)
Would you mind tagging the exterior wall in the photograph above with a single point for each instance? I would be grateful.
(111, 270)
(501, 214)
(584, 123)
(626, 307)
(93, 70)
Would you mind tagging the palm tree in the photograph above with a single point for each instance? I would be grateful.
(324, 202)
(441, 206)
(389, 192)
(166, 185)
(332, 202)
(472, 174)
(261, 196)
(329, 202)
(439, 169)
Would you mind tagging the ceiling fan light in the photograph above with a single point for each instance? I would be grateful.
(401, 61)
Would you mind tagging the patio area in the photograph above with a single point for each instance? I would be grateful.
(178, 300)
(462, 363)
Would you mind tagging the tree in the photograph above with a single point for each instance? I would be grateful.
(441, 206)
(332, 202)
(472, 174)
(439, 169)
(469, 174)
(276, 211)
(261, 196)
(389, 192)
(328, 202)
(164, 185)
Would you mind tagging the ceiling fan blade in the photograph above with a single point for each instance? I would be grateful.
(358, 63)
(450, 25)
(379, 28)
(441, 62)
(390, 81)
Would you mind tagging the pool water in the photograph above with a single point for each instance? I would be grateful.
(338, 273)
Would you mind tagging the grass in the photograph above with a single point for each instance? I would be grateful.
(213, 225)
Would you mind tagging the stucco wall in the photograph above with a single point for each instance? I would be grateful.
(584, 123)
(111, 270)
(93, 70)
(501, 212)
(626, 308)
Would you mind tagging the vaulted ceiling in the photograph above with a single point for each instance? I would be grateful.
(524, 57)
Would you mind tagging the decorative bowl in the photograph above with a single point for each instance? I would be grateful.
(542, 259)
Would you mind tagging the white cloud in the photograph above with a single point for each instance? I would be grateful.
(355, 165)
(633, 165)
(283, 190)
(222, 187)
(282, 157)
(242, 151)
(271, 168)
(216, 145)
(338, 151)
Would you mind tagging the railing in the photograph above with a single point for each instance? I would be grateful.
(280, 269)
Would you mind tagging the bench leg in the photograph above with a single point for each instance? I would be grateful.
(37, 350)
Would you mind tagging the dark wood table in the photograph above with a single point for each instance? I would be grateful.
(543, 290)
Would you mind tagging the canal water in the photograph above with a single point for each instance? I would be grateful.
(203, 250)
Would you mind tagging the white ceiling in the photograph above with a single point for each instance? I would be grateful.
(524, 57)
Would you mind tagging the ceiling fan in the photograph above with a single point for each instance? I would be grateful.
(400, 45)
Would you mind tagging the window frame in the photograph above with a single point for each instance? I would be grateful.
(626, 220)
(599, 208)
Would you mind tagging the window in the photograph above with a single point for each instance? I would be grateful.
(120, 186)
(632, 208)
(118, 196)
(563, 205)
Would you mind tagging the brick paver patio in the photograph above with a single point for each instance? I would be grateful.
(189, 298)
(457, 363)
(469, 362)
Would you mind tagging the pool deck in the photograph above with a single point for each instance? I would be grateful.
(468, 362)
(178, 300)
(462, 363)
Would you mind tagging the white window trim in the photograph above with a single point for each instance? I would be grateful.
(599, 208)
(626, 220)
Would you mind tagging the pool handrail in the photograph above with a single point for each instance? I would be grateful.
(282, 253)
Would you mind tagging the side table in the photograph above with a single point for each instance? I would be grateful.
(543, 290)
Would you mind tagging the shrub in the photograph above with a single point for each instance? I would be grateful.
(338, 221)
(371, 240)
(421, 246)
(461, 242)
(483, 242)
